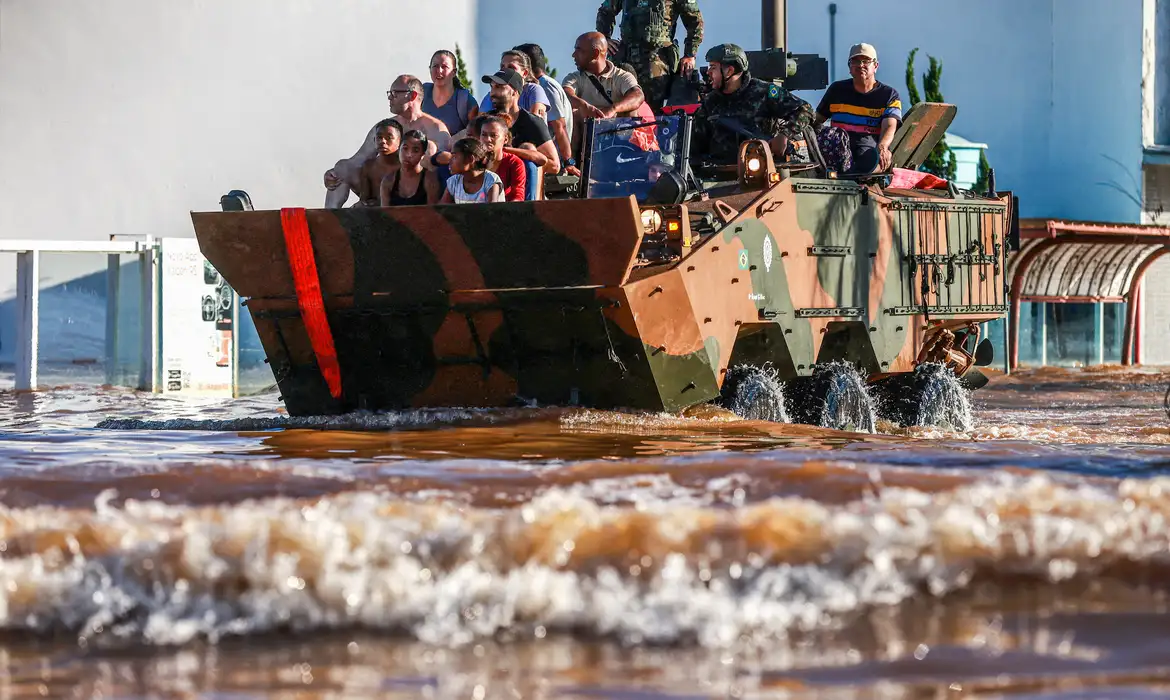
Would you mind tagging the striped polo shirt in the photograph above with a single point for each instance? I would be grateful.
(860, 113)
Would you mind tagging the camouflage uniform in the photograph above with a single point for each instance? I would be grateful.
(764, 107)
(648, 43)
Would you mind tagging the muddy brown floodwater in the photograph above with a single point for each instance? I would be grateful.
(219, 549)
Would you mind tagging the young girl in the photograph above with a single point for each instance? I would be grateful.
(471, 182)
(493, 132)
(410, 184)
(381, 166)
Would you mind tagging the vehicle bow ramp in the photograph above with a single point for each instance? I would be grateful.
(459, 305)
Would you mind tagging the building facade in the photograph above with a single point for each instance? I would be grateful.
(1068, 96)
(121, 116)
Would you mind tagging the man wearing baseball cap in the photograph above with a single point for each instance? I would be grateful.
(867, 110)
(526, 128)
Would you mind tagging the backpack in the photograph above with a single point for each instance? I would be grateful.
(461, 96)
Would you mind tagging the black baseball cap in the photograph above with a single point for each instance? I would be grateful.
(506, 77)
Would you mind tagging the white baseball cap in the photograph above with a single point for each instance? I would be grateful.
(866, 50)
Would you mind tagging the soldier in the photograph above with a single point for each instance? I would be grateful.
(648, 43)
(740, 107)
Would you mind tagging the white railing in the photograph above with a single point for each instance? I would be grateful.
(28, 296)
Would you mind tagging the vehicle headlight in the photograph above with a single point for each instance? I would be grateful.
(651, 221)
(753, 165)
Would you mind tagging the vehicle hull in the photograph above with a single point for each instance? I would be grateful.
(549, 302)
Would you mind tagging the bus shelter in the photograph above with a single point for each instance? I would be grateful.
(1079, 262)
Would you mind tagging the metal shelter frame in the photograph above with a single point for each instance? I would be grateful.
(1084, 262)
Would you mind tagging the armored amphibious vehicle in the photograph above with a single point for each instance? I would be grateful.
(644, 286)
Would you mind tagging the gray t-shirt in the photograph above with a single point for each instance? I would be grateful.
(617, 83)
(560, 108)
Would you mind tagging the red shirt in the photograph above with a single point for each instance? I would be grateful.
(515, 177)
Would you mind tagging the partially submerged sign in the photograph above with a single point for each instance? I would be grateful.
(198, 315)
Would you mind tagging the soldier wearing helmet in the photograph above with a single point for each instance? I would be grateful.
(740, 107)
(648, 43)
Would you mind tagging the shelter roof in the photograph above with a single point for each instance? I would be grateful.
(1083, 261)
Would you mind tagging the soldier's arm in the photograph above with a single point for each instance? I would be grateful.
(607, 16)
(789, 115)
(692, 19)
(795, 112)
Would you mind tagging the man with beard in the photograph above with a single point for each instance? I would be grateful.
(405, 96)
(741, 107)
(526, 128)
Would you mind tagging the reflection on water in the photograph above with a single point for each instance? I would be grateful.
(1052, 643)
(220, 548)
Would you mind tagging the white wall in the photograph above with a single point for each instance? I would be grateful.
(1156, 314)
(121, 116)
(1052, 134)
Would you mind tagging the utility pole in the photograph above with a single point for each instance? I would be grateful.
(832, 41)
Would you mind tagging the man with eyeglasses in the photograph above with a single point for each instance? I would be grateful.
(867, 110)
(406, 97)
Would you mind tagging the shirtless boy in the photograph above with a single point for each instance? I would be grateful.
(405, 96)
(389, 138)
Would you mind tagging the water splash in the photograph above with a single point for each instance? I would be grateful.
(942, 401)
(357, 420)
(834, 397)
(848, 405)
(754, 393)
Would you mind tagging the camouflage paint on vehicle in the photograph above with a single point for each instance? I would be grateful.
(487, 305)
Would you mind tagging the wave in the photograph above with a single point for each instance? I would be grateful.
(356, 420)
(657, 571)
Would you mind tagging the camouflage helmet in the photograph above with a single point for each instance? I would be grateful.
(728, 55)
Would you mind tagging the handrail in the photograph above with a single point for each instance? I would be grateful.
(57, 246)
